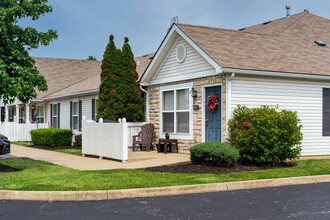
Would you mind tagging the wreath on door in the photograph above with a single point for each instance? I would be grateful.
(213, 102)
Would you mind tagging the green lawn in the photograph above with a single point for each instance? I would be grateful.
(22, 143)
(70, 151)
(39, 175)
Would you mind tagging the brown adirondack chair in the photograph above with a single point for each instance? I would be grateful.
(146, 134)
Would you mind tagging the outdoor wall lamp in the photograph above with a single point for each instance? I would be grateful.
(35, 107)
(193, 92)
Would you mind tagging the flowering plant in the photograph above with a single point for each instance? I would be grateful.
(213, 102)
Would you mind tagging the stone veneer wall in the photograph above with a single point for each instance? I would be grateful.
(154, 107)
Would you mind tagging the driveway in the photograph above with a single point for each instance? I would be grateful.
(310, 201)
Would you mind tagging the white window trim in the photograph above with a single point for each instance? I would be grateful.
(38, 117)
(203, 109)
(184, 51)
(181, 136)
(77, 115)
(53, 116)
(20, 117)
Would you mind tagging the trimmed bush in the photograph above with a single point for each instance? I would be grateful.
(51, 136)
(265, 135)
(214, 153)
(78, 139)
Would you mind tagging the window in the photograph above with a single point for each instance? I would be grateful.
(181, 53)
(21, 115)
(75, 115)
(326, 111)
(55, 116)
(41, 114)
(176, 111)
(11, 114)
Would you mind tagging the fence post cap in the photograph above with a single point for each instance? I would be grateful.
(119, 119)
(101, 120)
(123, 120)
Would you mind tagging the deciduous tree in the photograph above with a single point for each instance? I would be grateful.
(18, 75)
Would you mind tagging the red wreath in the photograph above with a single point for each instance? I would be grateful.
(213, 102)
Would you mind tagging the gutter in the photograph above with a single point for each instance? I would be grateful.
(72, 94)
(277, 74)
(147, 103)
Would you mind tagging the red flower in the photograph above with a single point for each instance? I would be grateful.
(114, 76)
(249, 136)
(114, 91)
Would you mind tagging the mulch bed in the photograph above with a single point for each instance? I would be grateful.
(192, 168)
(45, 147)
(6, 169)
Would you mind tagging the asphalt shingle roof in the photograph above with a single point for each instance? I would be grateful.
(284, 45)
(92, 82)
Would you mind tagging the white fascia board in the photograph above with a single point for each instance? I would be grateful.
(72, 94)
(278, 74)
(146, 73)
(218, 68)
(180, 78)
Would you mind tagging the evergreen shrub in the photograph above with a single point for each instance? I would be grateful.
(214, 153)
(51, 137)
(265, 135)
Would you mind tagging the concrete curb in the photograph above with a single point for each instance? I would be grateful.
(157, 191)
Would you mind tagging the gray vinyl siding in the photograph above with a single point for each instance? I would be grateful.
(65, 109)
(305, 97)
(194, 63)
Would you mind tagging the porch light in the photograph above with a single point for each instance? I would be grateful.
(193, 92)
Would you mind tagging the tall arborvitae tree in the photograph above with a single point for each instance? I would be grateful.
(119, 95)
(106, 74)
(128, 88)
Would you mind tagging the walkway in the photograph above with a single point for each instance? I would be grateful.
(136, 160)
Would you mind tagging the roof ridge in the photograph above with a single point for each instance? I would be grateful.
(224, 29)
(71, 85)
(66, 59)
(247, 31)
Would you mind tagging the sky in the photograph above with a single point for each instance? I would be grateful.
(84, 26)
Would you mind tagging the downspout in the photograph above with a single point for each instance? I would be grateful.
(147, 103)
(228, 100)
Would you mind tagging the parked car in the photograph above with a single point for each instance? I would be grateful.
(4, 144)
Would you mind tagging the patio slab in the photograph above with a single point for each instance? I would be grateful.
(136, 160)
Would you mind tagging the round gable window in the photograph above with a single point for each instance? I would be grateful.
(181, 53)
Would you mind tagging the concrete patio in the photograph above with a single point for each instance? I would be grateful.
(136, 160)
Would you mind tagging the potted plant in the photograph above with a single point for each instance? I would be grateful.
(167, 135)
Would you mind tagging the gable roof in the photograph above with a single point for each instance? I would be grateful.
(60, 73)
(284, 45)
(92, 83)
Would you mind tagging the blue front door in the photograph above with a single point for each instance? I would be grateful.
(213, 119)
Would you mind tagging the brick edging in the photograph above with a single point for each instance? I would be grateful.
(158, 191)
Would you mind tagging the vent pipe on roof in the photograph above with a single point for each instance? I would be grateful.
(306, 10)
(288, 7)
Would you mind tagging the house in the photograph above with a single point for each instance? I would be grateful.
(283, 62)
(72, 92)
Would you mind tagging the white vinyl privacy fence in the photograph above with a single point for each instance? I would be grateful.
(19, 132)
(110, 140)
